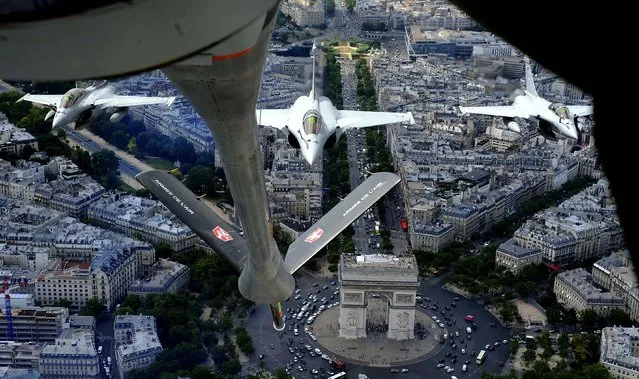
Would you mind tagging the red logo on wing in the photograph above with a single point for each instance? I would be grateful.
(317, 233)
(222, 234)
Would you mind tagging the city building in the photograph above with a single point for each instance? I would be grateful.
(305, 13)
(141, 218)
(164, 276)
(38, 324)
(574, 289)
(619, 352)
(26, 181)
(515, 257)
(24, 355)
(137, 342)
(452, 43)
(13, 140)
(82, 262)
(616, 274)
(73, 355)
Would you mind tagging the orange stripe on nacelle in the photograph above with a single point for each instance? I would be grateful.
(231, 56)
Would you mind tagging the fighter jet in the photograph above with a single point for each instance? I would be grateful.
(556, 120)
(313, 123)
(80, 106)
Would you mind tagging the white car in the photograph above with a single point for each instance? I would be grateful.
(463, 351)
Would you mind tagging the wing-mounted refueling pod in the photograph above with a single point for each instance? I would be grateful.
(224, 237)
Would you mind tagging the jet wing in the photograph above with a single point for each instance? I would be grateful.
(338, 218)
(274, 118)
(360, 119)
(580, 110)
(499, 111)
(133, 101)
(49, 100)
(217, 233)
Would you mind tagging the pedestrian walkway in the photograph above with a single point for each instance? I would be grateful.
(374, 350)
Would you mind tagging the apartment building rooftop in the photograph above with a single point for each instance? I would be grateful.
(580, 281)
(141, 213)
(143, 335)
(72, 343)
(511, 248)
(618, 347)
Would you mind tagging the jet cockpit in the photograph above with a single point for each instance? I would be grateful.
(560, 110)
(71, 97)
(312, 123)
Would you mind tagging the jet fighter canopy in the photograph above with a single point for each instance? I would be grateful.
(312, 122)
(71, 97)
(560, 110)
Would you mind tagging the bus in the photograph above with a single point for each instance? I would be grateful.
(338, 375)
(480, 357)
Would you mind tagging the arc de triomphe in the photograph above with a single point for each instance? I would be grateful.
(394, 277)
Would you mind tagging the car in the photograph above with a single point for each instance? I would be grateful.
(404, 370)
(272, 346)
(394, 371)
(325, 287)
(315, 284)
(504, 342)
(262, 356)
(314, 371)
(440, 365)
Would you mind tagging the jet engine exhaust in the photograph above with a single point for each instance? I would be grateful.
(278, 316)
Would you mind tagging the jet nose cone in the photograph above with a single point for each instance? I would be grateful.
(309, 156)
(572, 132)
(57, 120)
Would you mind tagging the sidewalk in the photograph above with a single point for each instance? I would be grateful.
(130, 159)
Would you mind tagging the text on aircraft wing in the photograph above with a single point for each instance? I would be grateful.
(50, 100)
(132, 101)
(361, 119)
(580, 110)
(499, 111)
(217, 233)
(274, 118)
(338, 218)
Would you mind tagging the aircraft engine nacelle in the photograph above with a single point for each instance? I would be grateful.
(295, 144)
(119, 115)
(514, 127)
(49, 115)
(84, 120)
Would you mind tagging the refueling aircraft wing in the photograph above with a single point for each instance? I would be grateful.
(338, 218)
(216, 233)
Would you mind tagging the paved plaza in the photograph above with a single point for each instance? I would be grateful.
(376, 350)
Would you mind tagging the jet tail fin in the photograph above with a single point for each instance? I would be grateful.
(338, 218)
(530, 81)
(214, 231)
(313, 54)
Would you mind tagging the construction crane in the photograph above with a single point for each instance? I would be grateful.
(7, 308)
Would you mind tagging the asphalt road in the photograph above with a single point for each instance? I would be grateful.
(104, 338)
(91, 146)
(260, 328)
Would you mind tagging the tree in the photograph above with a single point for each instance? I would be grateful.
(589, 319)
(132, 147)
(514, 348)
(619, 318)
(103, 162)
(529, 356)
(531, 344)
(93, 307)
(64, 303)
(200, 180)
(226, 323)
(280, 373)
